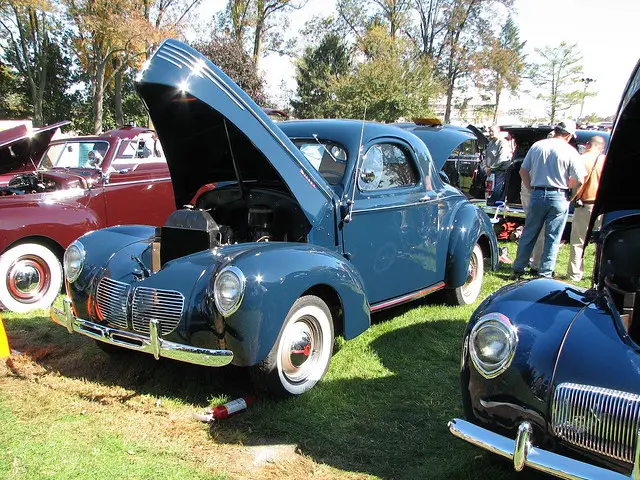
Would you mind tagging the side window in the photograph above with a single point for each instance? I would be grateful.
(384, 166)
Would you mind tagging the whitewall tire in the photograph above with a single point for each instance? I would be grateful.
(301, 355)
(470, 291)
(30, 277)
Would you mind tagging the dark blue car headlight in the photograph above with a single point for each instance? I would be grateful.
(492, 344)
(228, 290)
(73, 261)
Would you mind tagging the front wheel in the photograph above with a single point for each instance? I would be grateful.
(469, 292)
(30, 277)
(301, 355)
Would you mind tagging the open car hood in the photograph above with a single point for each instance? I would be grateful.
(618, 189)
(441, 140)
(21, 148)
(205, 122)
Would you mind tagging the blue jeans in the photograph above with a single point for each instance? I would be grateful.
(548, 209)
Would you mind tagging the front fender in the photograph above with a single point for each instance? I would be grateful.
(276, 275)
(60, 222)
(470, 226)
(542, 312)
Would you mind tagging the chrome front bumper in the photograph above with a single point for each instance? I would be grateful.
(523, 453)
(153, 344)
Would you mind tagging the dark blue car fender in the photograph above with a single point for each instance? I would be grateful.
(470, 226)
(542, 312)
(276, 276)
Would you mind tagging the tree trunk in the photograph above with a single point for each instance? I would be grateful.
(118, 93)
(447, 112)
(495, 110)
(98, 97)
(257, 44)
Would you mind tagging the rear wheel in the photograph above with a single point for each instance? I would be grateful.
(470, 291)
(30, 277)
(301, 355)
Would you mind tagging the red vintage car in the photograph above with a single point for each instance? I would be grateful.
(21, 148)
(81, 184)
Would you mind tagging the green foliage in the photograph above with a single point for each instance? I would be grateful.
(316, 72)
(14, 103)
(504, 63)
(229, 55)
(390, 85)
(557, 72)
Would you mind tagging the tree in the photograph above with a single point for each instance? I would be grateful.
(557, 72)
(110, 35)
(27, 26)
(231, 58)
(316, 72)
(257, 25)
(389, 85)
(504, 63)
(13, 102)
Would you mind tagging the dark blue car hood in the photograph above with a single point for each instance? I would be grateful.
(205, 122)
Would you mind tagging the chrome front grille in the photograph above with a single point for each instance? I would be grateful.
(597, 419)
(111, 299)
(163, 305)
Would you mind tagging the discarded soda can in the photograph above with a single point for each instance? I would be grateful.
(226, 410)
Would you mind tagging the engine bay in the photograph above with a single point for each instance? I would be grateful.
(229, 215)
(45, 182)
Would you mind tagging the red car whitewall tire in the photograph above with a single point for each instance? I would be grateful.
(30, 277)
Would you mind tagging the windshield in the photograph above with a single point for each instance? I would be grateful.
(330, 159)
(75, 154)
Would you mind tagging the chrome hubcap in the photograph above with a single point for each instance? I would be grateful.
(28, 279)
(471, 272)
(299, 352)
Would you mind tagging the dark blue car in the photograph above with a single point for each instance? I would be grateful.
(551, 372)
(290, 234)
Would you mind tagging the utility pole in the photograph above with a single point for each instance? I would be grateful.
(586, 81)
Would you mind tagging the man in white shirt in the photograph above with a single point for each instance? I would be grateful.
(546, 172)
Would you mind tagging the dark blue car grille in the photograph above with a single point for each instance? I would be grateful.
(112, 298)
(163, 305)
(597, 419)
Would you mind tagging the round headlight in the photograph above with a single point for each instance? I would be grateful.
(492, 344)
(73, 261)
(228, 290)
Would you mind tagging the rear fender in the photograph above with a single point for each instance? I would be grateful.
(470, 226)
(276, 276)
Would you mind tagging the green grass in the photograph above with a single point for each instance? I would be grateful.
(69, 411)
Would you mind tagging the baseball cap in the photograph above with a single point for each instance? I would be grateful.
(567, 125)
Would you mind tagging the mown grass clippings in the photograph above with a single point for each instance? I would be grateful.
(68, 410)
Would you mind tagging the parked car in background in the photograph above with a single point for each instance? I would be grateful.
(455, 150)
(551, 372)
(22, 147)
(524, 138)
(81, 184)
(295, 232)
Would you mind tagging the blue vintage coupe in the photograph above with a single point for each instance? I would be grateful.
(551, 372)
(290, 234)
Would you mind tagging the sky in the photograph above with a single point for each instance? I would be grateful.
(605, 32)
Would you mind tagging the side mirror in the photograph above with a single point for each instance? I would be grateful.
(367, 176)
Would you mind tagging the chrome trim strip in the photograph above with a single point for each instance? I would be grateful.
(153, 344)
(530, 456)
(133, 182)
(166, 59)
(406, 298)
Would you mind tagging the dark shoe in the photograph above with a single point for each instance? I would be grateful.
(516, 275)
(533, 272)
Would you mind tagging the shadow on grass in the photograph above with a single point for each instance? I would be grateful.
(393, 426)
(76, 356)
